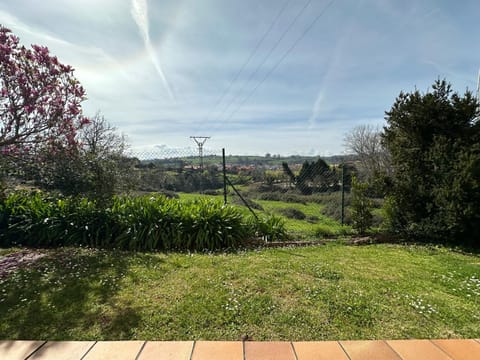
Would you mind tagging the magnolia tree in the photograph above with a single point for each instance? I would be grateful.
(43, 132)
(40, 100)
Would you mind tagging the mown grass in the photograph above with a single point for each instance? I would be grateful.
(315, 293)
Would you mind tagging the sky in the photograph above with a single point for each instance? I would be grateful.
(288, 77)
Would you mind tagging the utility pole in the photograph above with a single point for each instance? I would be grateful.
(200, 140)
(343, 194)
(478, 86)
(478, 94)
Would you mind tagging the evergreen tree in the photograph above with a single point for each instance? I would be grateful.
(433, 142)
(362, 217)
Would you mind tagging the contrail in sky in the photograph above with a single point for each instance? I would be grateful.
(139, 12)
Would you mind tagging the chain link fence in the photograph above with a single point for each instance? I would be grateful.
(303, 189)
(307, 191)
(172, 171)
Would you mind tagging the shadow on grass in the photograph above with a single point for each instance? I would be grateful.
(69, 295)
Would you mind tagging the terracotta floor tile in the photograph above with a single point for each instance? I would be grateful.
(19, 349)
(269, 350)
(166, 350)
(374, 349)
(118, 350)
(65, 350)
(218, 350)
(417, 349)
(460, 349)
(313, 350)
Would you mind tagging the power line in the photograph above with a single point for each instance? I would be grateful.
(272, 49)
(249, 58)
(307, 29)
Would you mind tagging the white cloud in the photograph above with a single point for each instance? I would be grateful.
(139, 12)
(13, 22)
(346, 71)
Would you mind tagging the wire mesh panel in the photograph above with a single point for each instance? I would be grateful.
(310, 193)
(178, 170)
(306, 191)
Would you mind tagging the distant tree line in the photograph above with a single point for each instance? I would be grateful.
(157, 178)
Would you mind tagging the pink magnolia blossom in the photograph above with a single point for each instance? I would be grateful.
(40, 99)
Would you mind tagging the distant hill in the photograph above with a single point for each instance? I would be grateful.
(244, 160)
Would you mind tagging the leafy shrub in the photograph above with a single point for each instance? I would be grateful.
(312, 219)
(293, 213)
(333, 208)
(293, 196)
(252, 204)
(140, 223)
(332, 202)
(272, 228)
(377, 220)
(285, 197)
(323, 231)
(361, 211)
(212, 192)
(269, 188)
(169, 194)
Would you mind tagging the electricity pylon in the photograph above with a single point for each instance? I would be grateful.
(200, 140)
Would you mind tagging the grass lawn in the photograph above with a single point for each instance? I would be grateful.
(316, 293)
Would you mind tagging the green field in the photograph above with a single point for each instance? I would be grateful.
(315, 225)
(324, 292)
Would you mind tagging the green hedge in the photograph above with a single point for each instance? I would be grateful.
(133, 223)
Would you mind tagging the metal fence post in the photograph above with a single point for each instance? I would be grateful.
(224, 178)
(343, 194)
